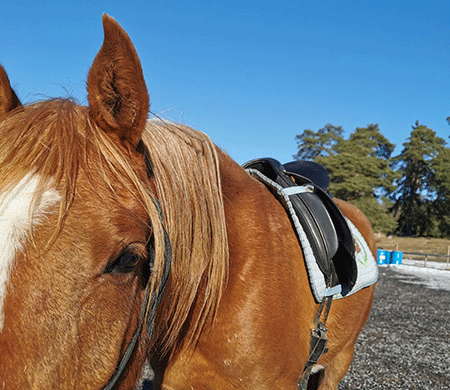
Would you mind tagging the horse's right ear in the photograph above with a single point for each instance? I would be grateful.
(8, 98)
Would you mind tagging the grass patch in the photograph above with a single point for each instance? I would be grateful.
(413, 244)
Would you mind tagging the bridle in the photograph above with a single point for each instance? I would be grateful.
(148, 309)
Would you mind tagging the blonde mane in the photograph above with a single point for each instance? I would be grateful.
(56, 139)
(186, 171)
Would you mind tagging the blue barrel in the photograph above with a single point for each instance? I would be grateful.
(383, 256)
(396, 257)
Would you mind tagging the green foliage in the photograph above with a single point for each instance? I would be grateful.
(415, 196)
(440, 226)
(378, 213)
(441, 168)
(320, 143)
(408, 194)
(359, 167)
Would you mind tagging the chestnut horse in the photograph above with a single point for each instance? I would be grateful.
(86, 194)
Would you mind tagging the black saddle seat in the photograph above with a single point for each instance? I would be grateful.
(316, 173)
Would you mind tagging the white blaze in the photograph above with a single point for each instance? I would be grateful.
(15, 224)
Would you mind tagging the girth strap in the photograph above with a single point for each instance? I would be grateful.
(319, 342)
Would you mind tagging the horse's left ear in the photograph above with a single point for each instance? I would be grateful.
(8, 98)
(118, 97)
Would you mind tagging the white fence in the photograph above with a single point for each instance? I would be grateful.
(425, 258)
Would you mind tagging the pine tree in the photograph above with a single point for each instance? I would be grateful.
(312, 144)
(414, 198)
(441, 168)
(358, 167)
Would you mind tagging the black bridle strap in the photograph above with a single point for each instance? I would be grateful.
(129, 351)
(148, 313)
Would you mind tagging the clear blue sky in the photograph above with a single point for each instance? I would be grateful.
(251, 74)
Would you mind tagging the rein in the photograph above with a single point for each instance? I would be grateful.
(148, 310)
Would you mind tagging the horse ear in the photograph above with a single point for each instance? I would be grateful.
(8, 98)
(117, 94)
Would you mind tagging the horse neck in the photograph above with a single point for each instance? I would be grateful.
(262, 242)
(265, 259)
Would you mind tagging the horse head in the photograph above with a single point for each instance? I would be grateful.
(81, 234)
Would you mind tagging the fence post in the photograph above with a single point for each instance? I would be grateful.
(426, 258)
(448, 256)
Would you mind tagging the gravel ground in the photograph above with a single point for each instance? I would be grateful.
(406, 341)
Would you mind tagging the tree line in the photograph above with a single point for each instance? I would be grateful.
(407, 194)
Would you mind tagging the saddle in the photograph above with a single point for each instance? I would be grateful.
(301, 186)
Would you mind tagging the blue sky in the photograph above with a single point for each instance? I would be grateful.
(252, 75)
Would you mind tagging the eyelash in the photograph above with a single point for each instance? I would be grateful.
(125, 263)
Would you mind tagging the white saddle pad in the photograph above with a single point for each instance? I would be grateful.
(365, 262)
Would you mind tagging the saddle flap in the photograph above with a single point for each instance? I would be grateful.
(344, 258)
(324, 225)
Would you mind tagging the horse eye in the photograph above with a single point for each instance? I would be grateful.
(125, 263)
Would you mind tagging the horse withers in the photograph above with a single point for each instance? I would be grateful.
(86, 194)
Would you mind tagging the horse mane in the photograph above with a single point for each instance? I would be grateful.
(186, 171)
(56, 139)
